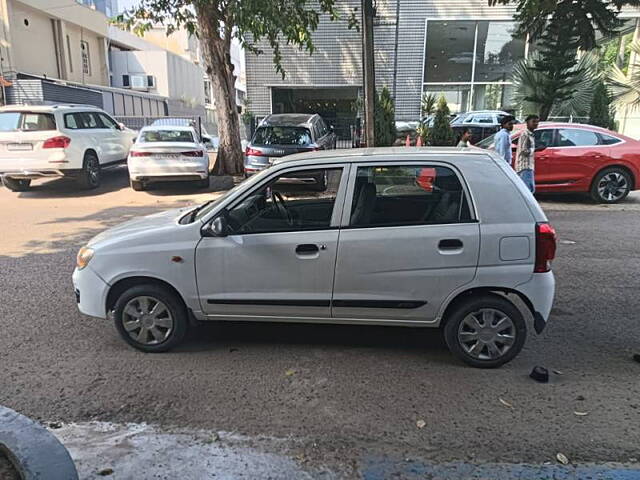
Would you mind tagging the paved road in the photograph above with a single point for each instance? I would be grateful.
(327, 395)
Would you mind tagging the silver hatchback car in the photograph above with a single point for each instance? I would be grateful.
(436, 237)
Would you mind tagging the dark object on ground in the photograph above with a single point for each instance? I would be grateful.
(105, 472)
(540, 374)
(7, 472)
(636, 357)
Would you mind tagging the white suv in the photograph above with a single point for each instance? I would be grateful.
(410, 237)
(59, 141)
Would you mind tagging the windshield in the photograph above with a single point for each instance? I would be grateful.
(487, 142)
(282, 136)
(26, 121)
(165, 136)
(205, 208)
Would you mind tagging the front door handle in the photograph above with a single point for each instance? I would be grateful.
(450, 244)
(307, 249)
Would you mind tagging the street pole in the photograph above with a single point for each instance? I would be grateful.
(368, 71)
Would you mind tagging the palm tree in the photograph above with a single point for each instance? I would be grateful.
(537, 93)
(625, 89)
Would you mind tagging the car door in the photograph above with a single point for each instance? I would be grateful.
(408, 240)
(118, 142)
(576, 155)
(279, 255)
(544, 139)
(101, 136)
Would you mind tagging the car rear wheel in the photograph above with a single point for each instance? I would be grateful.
(485, 331)
(16, 185)
(90, 175)
(150, 318)
(611, 185)
(137, 185)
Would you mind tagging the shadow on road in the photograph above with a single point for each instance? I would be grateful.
(113, 179)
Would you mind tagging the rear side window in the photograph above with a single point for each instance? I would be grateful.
(165, 136)
(408, 195)
(276, 135)
(573, 137)
(608, 139)
(82, 120)
(26, 121)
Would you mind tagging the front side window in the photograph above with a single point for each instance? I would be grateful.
(108, 122)
(165, 136)
(573, 137)
(26, 121)
(544, 138)
(294, 201)
(276, 135)
(407, 195)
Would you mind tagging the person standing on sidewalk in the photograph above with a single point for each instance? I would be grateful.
(525, 153)
(465, 138)
(502, 142)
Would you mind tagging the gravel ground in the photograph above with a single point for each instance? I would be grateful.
(332, 394)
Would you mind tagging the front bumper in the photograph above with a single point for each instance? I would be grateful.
(91, 292)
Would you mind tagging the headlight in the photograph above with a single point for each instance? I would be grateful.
(84, 257)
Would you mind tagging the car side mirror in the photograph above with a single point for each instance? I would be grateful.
(218, 227)
(121, 126)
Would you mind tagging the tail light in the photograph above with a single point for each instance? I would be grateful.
(252, 152)
(137, 153)
(192, 153)
(57, 142)
(545, 247)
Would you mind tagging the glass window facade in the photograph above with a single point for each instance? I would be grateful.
(470, 62)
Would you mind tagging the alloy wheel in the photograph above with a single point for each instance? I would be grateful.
(147, 320)
(487, 334)
(613, 186)
(93, 170)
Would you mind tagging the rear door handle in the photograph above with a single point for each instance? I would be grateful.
(307, 249)
(450, 244)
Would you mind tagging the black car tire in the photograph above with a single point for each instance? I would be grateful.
(473, 304)
(613, 172)
(90, 175)
(137, 185)
(172, 302)
(16, 184)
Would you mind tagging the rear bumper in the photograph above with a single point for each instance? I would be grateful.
(35, 173)
(149, 171)
(540, 291)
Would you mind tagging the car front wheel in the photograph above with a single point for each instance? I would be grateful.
(485, 331)
(150, 318)
(16, 185)
(611, 185)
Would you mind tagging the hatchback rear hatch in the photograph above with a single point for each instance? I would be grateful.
(272, 141)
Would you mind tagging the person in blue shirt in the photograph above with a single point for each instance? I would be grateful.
(502, 141)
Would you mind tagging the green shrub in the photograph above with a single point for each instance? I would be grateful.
(385, 120)
(441, 134)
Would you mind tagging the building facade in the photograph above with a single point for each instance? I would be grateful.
(462, 49)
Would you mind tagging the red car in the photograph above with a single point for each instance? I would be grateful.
(571, 157)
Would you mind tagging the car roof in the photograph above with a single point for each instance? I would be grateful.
(288, 119)
(568, 125)
(155, 128)
(47, 108)
(353, 155)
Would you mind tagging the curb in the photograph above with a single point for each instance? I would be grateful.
(33, 450)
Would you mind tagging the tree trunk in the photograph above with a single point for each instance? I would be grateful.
(217, 55)
(545, 111)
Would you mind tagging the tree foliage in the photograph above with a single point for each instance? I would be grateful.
(600, 112)
(441, 134)
(385, 122)
(536, 92)
(586, 17)
(428, 103)
(625, 89)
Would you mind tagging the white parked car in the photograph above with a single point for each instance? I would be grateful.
(48, 141)
(405, 237)
(168, 153)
